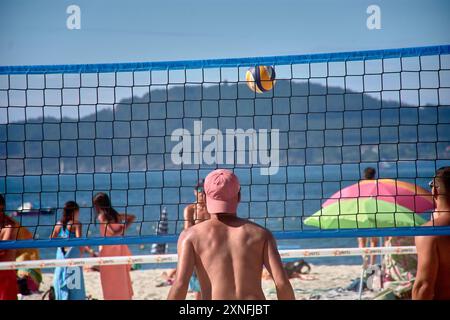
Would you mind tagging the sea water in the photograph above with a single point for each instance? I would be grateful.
(145, 193)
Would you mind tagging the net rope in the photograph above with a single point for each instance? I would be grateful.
(173, 258)
(68, 132)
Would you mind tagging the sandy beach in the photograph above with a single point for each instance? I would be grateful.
(329, 284)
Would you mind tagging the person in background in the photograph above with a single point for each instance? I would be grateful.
(369, 174)
(8, 232)
(29, 280)
(196, 213)
(433, 252)
(68, 281)
(115, 279)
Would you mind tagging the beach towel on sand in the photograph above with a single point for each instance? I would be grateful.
(400, 271)
(68, 282)
(8, 285)
(116, 280)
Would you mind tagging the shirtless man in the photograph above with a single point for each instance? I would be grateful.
(433, 252)
(194, 214)
(227, 252)
(8, 231)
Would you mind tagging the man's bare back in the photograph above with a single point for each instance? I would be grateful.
(227, 252)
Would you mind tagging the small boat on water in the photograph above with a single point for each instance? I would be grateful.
(27, 209)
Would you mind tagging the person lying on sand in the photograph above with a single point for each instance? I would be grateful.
(294, 269)
(169, 278)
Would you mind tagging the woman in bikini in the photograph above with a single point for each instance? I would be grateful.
(115, 279)
(68, 282)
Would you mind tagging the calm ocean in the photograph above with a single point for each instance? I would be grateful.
(136, 190)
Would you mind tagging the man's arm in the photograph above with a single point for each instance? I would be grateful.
(427, 268)
(188, 217)
(273, 264)
(185, 268)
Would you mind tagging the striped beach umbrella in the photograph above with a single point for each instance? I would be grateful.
(163, 229)
(403, 193)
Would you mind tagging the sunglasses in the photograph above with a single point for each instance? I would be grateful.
(432, 185)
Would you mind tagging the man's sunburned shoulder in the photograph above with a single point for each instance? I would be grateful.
(257, 227)
(426, 242)
(439, 221)
(431, 240)
(188, 233)
(199, 229)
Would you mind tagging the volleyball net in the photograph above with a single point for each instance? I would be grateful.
(173, 258)
(146, 133)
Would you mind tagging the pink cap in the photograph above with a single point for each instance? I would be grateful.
(222, 189)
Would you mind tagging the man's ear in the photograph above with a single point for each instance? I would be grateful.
(434, 190)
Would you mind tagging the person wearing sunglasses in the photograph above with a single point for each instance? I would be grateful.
(433, 252)
(196, 213)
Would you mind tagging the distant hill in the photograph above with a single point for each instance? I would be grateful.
(141, 120)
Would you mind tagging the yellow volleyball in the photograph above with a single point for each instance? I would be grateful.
(260, 78)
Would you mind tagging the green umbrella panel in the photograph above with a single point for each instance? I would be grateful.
(363, 213)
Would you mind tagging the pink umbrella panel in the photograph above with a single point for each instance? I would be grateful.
(406, 194)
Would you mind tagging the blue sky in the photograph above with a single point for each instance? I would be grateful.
(34, 32)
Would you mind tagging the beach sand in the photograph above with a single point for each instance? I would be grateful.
(329, 285)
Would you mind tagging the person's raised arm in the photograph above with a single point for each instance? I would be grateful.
(427, 268)
(188, 214)
(185, 268)
(273, 264)
(125, 220)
